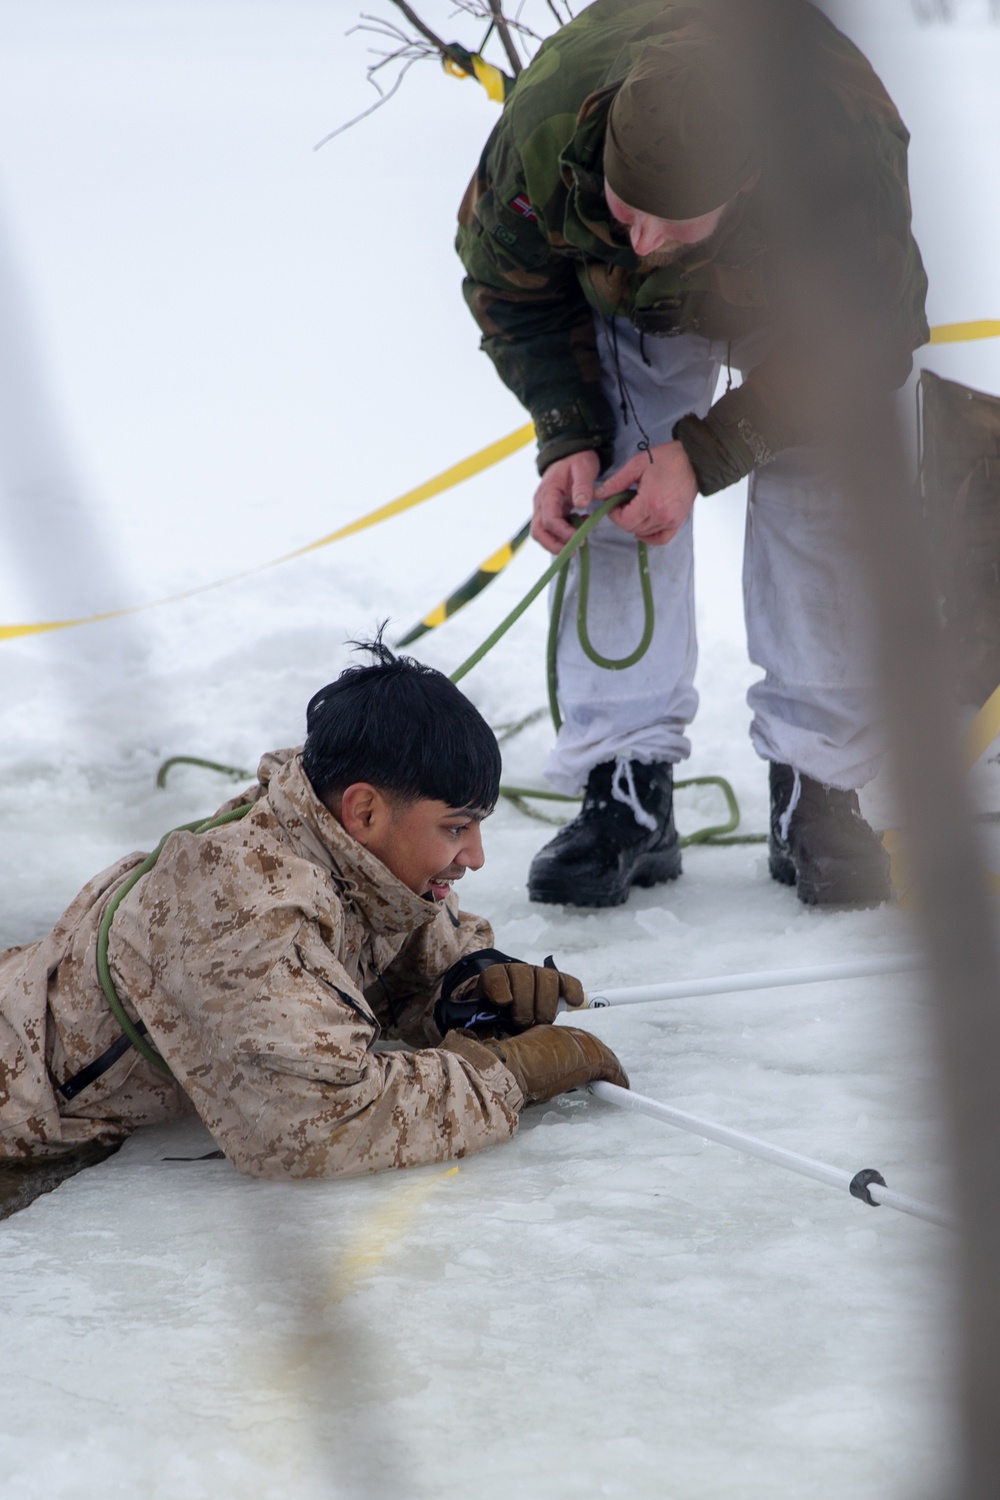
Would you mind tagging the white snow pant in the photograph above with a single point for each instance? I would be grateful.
(808, 616)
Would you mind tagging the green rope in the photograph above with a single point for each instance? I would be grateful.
(530, 791)
(559, 563)
(551, 649)
(715, 830)
(557, 570)
(520, 797)
(715, 833)
(611, 663)
(236, 772)
(121, 1015)
(505, 732)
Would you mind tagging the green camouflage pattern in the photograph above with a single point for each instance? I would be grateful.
(541, 250)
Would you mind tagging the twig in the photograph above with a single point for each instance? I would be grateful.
(481, 10)
(503, 30)
(383, 99)
(422, 27)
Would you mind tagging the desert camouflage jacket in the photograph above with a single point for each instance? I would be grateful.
(266, 958)
(542, 252)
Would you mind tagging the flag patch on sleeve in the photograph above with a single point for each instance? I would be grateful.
(521, 205)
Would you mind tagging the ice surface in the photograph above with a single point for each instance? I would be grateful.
(236, 345)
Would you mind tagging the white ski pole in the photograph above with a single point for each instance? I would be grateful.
(766, 979)
(868, 1185)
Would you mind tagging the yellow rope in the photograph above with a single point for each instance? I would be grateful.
(365, 1254)
(961, 333)
(976, 740)
(491, 78)
(485, 458)
(983, 730)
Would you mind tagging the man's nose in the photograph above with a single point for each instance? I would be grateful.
(471, 853)
(647, 236)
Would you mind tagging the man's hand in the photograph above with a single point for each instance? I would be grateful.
(566, 485)
(665, 492)
(549, 1060)
(529, 993)
(493, 993)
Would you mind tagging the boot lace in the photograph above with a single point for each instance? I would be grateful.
(623, 789)
(793, 802)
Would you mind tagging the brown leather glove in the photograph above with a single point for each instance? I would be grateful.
(531, 992)
(548, 1060)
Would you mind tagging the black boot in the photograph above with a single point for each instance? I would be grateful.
(825, 849)
(607, 848)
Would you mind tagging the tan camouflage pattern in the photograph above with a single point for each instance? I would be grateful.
(266, 957)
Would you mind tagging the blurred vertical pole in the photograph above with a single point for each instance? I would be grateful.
(956, 918)
(47, 522)
(858, 423)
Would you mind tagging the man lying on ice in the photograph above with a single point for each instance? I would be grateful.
(263, 960)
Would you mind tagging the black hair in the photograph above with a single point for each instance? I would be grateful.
(405, 728)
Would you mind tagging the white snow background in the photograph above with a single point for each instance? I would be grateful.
(217, 345)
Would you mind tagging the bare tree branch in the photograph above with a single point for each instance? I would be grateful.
(422, 27)
(503, 31)
(408, 48)
(382, 99)
(482, 10)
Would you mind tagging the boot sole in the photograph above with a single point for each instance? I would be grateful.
(781, 867)
(656, 868)
(845, 892)
(845, 888)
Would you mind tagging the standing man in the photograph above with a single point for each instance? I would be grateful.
(620, 247)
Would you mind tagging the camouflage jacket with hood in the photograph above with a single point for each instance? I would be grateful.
(266, 958)
(542, 252)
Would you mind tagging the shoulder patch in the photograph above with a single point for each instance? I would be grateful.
(504, 235)
(520, 204)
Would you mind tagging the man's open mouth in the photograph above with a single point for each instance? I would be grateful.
(440, 886)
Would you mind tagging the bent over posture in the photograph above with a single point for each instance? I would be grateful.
(259, 962)
(625, 237)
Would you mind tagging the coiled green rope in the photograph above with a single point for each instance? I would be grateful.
(558, 564)
(610, 663)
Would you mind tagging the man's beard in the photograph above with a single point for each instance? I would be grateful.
(674, 250)
(666, 255)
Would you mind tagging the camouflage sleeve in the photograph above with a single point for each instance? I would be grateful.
(869, 289)
(536, 324)
(404, 996)
(277, 1055)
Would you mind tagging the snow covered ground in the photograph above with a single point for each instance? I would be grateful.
(218, 345)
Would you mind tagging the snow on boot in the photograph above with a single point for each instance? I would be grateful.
(821, 844)
(623, 835)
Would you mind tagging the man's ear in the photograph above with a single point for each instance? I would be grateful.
(363, 812)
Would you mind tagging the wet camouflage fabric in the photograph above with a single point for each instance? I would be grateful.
(266, 957)
(541, 250)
